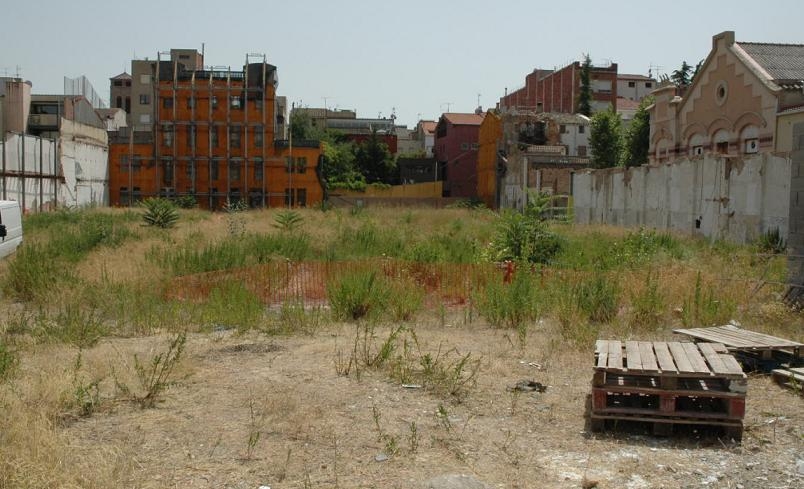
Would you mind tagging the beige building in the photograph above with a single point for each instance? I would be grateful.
(741, 102)
(15, 103)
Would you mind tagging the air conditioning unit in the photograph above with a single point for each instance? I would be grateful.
(751, 146)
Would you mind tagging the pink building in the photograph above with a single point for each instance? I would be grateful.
(456, 145)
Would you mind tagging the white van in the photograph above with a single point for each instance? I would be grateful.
(10, 227)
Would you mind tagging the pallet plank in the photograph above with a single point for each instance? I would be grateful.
(713, 358)
(615, 355)
(696, 360)
(633, 359)
(680, 357)
(602, 352)
(648, 357)
(664, 357)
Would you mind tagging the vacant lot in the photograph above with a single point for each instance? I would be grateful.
(363, 349)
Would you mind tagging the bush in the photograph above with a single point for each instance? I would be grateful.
(160, 212)
(771, 241)
(524, 237)
(358, 295)
(509, 305)
(186, 201)
(598, 297)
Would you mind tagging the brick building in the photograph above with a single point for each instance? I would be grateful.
(210, 134)
(456, 145)
(557, 91)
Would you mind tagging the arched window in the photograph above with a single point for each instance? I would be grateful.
(749, 139)
(119, 103)
(696, 144)
(721, 141)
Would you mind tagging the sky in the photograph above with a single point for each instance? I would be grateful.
(415, 59)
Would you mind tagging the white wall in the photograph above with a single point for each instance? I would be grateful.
(42, 174)
(719, 198)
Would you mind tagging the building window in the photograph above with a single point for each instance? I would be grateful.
(167, 135)
(191, 103)
(258, 170)
(296, 165)
(214, 102)
(301, 197)
(631, 84)
(213, 131)
(184, 56)
(581, 150)
(118, 83)
(562, 129)
(258, 103)
(128, 83)
(697, 150)
(119, 103)
(167, 173)
(464, 146)
(234, 102)
(234, 171)
(145, 118)
(144, 99)
(191, 137)
(258, 136)
(234, 137)
(190, 170)
(123, 163)
(648, 84)
(167, 102)
(751, 146)
(213, 173)
(128, 105)
(474, 146)
(722, 147)
(581, 129)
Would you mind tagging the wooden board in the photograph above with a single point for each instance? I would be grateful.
(680, 357)
(739, 338)
(602, 352)
(648, 357)
(664, 357)
(632, 356)
(615, 355)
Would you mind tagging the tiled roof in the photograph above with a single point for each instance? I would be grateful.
(781, 61)
(459, 119)
(429, 126)
(626, 104)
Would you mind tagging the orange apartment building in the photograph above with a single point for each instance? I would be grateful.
(213, 137)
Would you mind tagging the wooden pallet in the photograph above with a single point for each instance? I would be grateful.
(762, 346)
(667, 384)
(792, 378)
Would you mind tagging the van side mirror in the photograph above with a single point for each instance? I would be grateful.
(3, 231)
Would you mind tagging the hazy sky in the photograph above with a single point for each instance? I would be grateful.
(418, 58)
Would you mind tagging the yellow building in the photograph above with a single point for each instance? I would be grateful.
(489, 139)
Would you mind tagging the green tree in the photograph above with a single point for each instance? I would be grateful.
(637, 137)
(585, 93)
(682, 76)
(605, 141)
(340, 170)
(374, 160)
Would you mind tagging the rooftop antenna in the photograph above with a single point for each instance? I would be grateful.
(448, 104)
(658, 73)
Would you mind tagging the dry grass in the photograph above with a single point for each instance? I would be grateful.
(317, 428)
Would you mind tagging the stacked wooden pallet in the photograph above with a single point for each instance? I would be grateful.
(667, 384)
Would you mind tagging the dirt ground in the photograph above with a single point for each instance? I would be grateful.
(309, 427)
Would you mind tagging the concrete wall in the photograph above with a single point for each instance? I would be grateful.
(795, 241)
(735, 199)
(43, 174)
